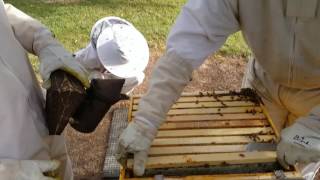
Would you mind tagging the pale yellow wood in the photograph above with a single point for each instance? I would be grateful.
(214, 124)
(222, 111)
(130, 109)
(214, 117)
(215, 110)
(253, 176)
(197, 94)
(213, 104)
(271, 122)
(207, 93)
(212, 140)
(122, 174)
(204, 99)
(154, 151)
(214, 132)
(208, 159)
(208, 104)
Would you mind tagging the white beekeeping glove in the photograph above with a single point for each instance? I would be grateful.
(135, 139)
(300, 143)
(54, 56)
(170, 76)
(37, 39)
(27, 169)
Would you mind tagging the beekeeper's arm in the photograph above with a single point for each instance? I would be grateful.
(200, 29)
(37, 39)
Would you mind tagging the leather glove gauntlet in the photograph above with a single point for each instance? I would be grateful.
(300, 143)
(135, 139)
(53, 56)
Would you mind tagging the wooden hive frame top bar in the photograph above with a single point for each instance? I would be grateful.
(212, 129)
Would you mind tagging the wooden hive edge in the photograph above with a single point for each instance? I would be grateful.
(291, 175)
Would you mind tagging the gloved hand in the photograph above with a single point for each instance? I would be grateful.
(170, 75)
(38, 40)
(300, 143)
(135, 139)
(54, 57)
(26, 169)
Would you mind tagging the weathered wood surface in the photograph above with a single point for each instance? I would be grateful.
(205, 99)
(214, 124)
(215, 117)
(208, 104)
(212, 140)
(197, 94)
(248, 176)
(208, 159)
(175, 150)
(214, 132)
(221, 111)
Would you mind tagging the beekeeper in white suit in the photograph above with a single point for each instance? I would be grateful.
(26, 150)
(117, 50)
(285, 40)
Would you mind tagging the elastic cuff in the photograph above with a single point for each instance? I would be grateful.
(57, 50)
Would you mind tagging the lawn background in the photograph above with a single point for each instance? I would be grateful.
(72, 22)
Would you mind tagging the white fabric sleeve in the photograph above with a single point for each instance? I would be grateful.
(88, 57)
(169, 77)
(201, 28)
(30, 33)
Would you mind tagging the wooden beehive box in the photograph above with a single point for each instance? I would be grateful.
(205, 137)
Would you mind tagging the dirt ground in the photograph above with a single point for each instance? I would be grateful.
(87, 151)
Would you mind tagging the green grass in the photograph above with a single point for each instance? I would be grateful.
(235, 46)
(71, 23)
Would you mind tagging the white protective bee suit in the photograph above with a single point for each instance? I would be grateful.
(117, 50)
(285, 40)
(23, 132)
